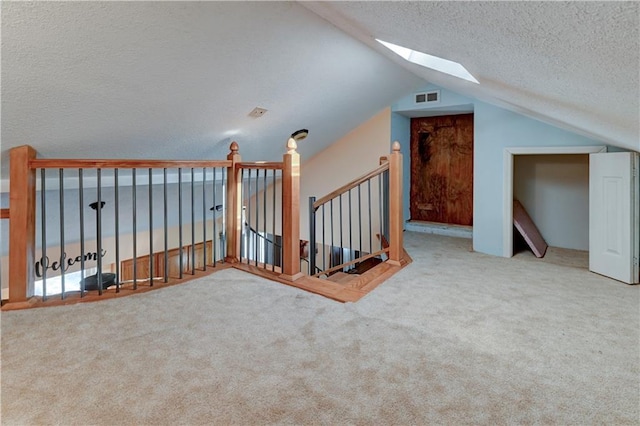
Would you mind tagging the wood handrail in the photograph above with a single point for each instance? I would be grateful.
(351, 262)
(354, 183)
(262, 165)
(57, 163)
(22, 206)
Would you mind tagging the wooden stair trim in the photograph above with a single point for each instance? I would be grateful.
(354, 183)
(351, 262)
(382, 272)
(71, 298)
(352, 291)
(324, 288)
(370, 275)
(341, 277)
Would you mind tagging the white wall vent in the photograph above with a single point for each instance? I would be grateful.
(431, 97)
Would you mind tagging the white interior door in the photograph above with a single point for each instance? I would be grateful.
(613, 215)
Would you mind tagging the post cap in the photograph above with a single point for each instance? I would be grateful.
(291, 146)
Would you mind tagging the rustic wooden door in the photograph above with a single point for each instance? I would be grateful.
(442, 169)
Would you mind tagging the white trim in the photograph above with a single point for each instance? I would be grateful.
(448, 230)
(507, 179)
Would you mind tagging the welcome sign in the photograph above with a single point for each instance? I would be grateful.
(64, 263)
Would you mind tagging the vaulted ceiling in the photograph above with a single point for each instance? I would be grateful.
(177, 80)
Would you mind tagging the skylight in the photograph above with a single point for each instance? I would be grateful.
(430, 61)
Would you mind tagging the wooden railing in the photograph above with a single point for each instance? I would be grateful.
(22, 215)
(267, 192)
(380, 223)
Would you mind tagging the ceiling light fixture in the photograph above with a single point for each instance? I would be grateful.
(429, 61)
(298, 135)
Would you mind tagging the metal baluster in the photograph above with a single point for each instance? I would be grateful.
(273, 223)
(62, 259)
(281, 225)
(257, 231)
(82, 252)
(369, 210)
(385, 192)
(223, 251)
(241, 195)
(166, 226)
(341, 233)
(351, 255)
(180, 221)
(135, 229)
(248, 218)
(380, 209)
(99, 232)
(44, 263)
(264, 217)
(331, 216)
(193, 224)
(204, 220)
(214, 240)
(282, 260)
(359, 220)
(117, 217)
(324, 251)
(151, 227)
(312, 236)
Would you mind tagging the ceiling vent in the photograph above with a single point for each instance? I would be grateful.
(257, 112)
(432, 97)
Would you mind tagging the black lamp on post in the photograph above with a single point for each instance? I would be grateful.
(108, 279)
(217, 209)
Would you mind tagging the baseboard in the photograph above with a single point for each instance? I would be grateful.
(445, 229)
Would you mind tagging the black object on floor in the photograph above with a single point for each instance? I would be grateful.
(91, 282)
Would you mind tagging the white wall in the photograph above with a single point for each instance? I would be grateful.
(554, 190)
(351, 156)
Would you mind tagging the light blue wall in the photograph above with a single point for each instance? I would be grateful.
(401, 132)
(494, 129)
(405, 108)
(449, 101)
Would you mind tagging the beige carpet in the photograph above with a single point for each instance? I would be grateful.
(456, 338)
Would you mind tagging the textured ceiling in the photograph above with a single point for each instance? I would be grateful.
(574, 64)
(178, 79)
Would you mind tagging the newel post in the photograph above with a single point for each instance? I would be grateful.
(291, 213)
(395, 205)
(22, 223)
(234, 205)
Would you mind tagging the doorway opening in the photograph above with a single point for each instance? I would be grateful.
(508, 180)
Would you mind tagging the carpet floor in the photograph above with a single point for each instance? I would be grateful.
(457, 337)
